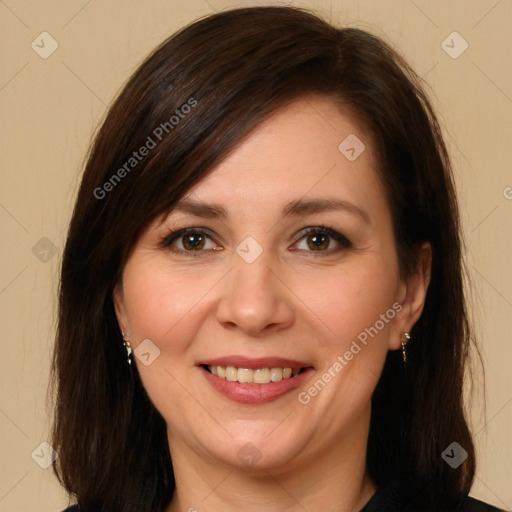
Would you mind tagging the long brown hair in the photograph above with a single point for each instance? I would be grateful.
(197, 96)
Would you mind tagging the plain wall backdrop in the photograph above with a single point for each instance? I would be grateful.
(52, 103)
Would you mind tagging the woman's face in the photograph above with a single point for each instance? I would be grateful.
(288, 266)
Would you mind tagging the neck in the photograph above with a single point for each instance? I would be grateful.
(333, 481)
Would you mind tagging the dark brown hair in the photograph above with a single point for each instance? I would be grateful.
(233, 70)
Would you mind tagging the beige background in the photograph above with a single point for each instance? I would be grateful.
(50, 108)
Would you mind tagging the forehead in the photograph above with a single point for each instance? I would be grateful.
(308, 148)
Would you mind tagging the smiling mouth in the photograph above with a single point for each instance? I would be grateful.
(256, 376)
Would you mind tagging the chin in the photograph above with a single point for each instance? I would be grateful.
(258, 452)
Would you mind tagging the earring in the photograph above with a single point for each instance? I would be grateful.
(406, 336)
(128, 347)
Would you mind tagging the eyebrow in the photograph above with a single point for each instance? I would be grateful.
(309, 206)
(300, 207)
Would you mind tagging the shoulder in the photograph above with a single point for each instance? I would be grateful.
(395, 497)
(473, 505)
(73, 508)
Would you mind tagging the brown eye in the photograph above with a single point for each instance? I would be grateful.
(193, 241)
(318, 242)
(321, 240)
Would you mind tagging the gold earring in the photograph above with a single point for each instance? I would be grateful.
(406, 336)
(128, 347)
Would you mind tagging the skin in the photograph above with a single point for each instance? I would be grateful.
(293, 301)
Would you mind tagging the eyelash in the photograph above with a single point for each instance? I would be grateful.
(345, 243)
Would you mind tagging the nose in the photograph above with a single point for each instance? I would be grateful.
(255, 298)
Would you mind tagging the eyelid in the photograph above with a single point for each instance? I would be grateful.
(170, 238)
(339, 237)
(174, 235)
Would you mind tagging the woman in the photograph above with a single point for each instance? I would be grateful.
(262, 303)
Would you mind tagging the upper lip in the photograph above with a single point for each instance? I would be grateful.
(254, 363)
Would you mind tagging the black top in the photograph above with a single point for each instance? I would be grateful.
(389, 499)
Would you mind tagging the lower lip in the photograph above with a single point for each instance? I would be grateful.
(255, 393)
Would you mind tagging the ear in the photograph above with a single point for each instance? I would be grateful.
(412, 294)
(120, 309)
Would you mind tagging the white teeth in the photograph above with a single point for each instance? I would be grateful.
(261, 376)
(245, 375)
(276, 374)
(249, 376)
(231, 373)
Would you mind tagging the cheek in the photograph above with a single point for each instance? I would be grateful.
(164, 307)
(161, 304)
(350, 301)
(355, 312)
